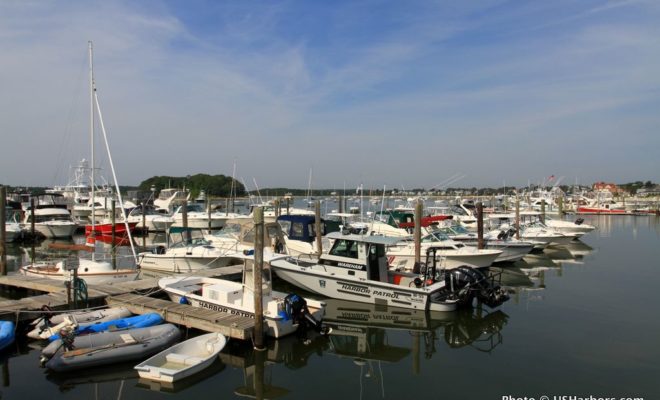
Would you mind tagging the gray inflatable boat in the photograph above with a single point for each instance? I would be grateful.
(110, 347)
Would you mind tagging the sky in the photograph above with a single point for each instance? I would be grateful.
(401, 94)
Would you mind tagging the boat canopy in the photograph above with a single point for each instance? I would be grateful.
(372, 239)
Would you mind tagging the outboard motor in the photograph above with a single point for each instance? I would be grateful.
(579, 221)
(502, 235)
(468, 283)
(295, 308)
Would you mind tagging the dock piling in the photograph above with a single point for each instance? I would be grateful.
(419, 209)
(3, 233)
(258, 268)
(480, 225)
(317, 227)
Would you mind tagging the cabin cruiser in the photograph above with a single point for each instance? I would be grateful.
(578, 228)
(453, 254)
(186, 255)
(535, 232)
(51, 219)
(284, 313)
(170, 198)
(356, 269)
(300, 234)
(92, 271)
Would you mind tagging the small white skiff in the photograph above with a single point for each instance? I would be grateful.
(184, 359)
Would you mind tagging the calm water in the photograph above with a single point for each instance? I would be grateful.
(583, 320)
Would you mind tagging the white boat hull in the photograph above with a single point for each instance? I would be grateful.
(92, 272)
(181, 264)
(315, 280)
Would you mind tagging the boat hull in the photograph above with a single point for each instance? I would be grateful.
(183, 359)
(111, 347)
(329, 285)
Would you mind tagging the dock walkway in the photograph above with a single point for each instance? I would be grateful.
(132, 295)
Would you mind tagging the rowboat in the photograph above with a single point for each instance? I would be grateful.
(184, 359)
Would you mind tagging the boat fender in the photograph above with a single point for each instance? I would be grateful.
(183, 300)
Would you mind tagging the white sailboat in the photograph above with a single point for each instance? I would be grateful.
(94, 270)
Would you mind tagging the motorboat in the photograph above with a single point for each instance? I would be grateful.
(170, 198)
(283, 312)
(300, 234)
(51, 219)
(453, 254)
(199, 218)
(108, 347)
(150, 219)
(577, 227)
(356, 269)
(183, 359)
(512, 249)
(186, 255)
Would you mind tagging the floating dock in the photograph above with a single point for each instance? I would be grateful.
(132, 295)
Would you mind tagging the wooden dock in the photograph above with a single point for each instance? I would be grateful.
(183, 314)
(132, 295)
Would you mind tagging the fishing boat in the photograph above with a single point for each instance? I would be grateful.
(284, 313)
(45, 327)
(183, 359)
(356, 269)
(107, 348)
(7, 334)
(138, 321)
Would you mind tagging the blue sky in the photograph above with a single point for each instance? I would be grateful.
(403, 94)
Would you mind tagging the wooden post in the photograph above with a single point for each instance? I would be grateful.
(227, 205)
(3, 233)
(480, 225)
(184, 220)
(276, 204)
(32, 218)
(419, 209)
(32, 234)
(259, 373)
(114, 235)
(258, 268)
(208, 212)
(341, 204)
(543, 211)
(288, 201)
(517, 217)
(145, 231)
(560, 206)
(317, 227)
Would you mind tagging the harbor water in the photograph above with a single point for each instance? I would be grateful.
(582, 321)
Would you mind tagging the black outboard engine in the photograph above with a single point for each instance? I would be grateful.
(502, 235)
(579, 221)
(296, 309)
(468, 283)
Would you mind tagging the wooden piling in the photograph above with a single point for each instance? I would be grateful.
(419, 209)
(480, 225)
(317, 227)
(560, 206)
(184, 220)
(258, 268)
(341, 204)
(517, 217)
(145, 231)
(114, 235)
(276, 204)
(543, 211)
(208, 212)
(32, 233)
(3, 232)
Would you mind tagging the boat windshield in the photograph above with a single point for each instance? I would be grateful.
(435, 236)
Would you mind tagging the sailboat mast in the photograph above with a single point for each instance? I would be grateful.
(91, 129)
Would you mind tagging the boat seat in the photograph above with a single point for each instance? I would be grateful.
(183, 359)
